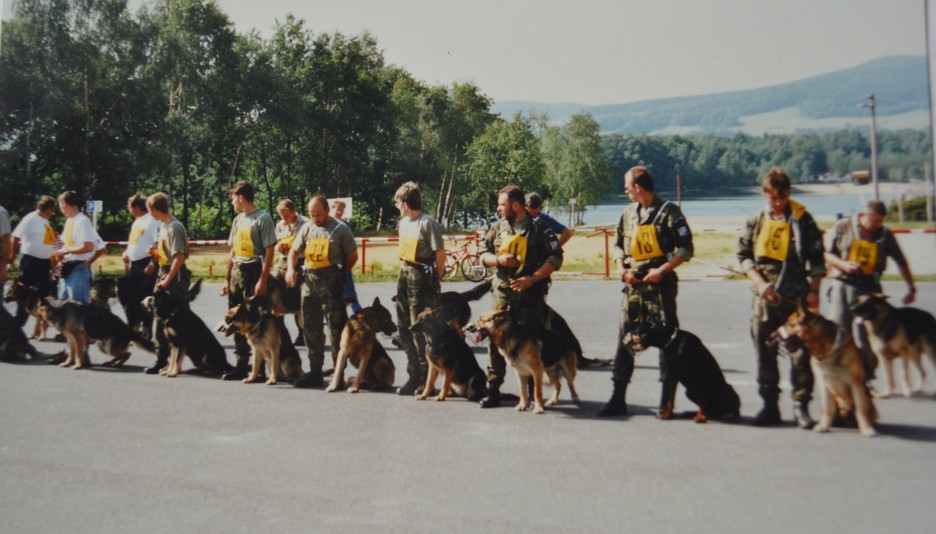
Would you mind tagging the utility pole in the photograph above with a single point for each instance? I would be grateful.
(874, 166)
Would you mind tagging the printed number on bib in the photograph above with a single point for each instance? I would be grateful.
(515, 245)
(773, 241)
(864, 253)
(316, 252)
(408, 249)
(243, 244)
(644, 244)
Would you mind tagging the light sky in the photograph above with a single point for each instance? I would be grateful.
(609, 51)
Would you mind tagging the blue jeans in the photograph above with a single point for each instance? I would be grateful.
(350, 294)
(77, 285)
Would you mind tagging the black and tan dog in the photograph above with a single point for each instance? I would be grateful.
(690, 363)
(359, 346)
(268, 338)
(556, 323)
(450, 356)
(29, 297)
(906, 333)
(187, 333)
(14, 347)
(139, 317)
(82, 323)
(531, 354)
(102, 290)
(838, 366)
(283, 300)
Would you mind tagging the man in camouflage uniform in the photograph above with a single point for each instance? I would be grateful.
(252, 241)
(781, 253)
(330, 251)
(525, 252)
(652, 239)
(169, 255)
(858, 253)
(422, 262)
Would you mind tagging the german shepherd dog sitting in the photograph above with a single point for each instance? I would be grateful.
(81, 323)
(284, 300)
(454, 307)
(449, 355)
(837, 363)
(187, 333)
(139, 317)
(14, 347)
(359, 345)
(688, 362)
(268, 338)
(29, 297)
(906, 333)
(531, 354)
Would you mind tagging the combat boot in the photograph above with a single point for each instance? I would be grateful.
(801, 415)
(768, 416)
(312, 379)
(239, 372)
(410, 387)
(492, 400)
(616, 405)
(161, 362)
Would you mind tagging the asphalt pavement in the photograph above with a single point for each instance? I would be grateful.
(104, 450)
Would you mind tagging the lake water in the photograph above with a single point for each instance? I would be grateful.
(819, 205)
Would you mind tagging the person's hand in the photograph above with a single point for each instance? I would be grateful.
(521, 284)
(850, 267)
(812, 301)
(629, 276)
(260, 288)
(163, 283)
(125, 258)
(768, 293)
(654, 275)
(290, 277)
(508, 260)
(909, 298)
(149, 269)
(225, 288)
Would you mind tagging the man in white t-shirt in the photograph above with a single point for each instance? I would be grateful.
(6, 246)
(144, 234)
(34, 238)
(79, 238)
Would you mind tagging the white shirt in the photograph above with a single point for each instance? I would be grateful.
(77, 232)
(144, 233)
(37, 238)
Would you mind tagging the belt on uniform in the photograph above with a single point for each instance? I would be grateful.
(323, 270)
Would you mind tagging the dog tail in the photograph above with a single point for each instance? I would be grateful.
(477, 291)
(142, 342)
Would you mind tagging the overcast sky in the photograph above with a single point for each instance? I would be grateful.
(609, 51)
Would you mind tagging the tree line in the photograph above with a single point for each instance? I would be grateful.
(172, 98)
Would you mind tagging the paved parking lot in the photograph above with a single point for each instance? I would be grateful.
(118, 451)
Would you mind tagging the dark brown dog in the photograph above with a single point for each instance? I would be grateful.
(29, 298)
(102, 290)
(450, 356)
(359, 346)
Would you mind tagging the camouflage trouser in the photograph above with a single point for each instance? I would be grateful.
(642, 303)
(842, 297)
(417, 289)
(764, 322)
(178, 287)
(527, 309)
(244, 277)
(322, 297)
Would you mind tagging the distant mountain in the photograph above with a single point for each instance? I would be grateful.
(825, 102)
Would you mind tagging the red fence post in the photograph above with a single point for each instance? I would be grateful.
(364, 256)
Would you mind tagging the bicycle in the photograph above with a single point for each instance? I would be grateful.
(465, 259)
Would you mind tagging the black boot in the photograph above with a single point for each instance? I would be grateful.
(801, 415)
(239, 372)
(312, 379)
(411, 387)
(616, 405)
(492, 400)
(768, 416)
(161, 362)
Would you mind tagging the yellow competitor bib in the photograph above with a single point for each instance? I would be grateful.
(161, 251)
(515, 245)
(49, 237)
(773, 241)
(316, 253)
(408, 249)
(288, 241)
(67, 236)
(644, 244)
(864, 253)
(243, 244)
(135, 235)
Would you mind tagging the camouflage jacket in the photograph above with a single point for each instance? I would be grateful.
(672, 232)
(542, 246)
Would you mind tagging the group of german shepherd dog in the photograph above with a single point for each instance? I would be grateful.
(554, 351)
